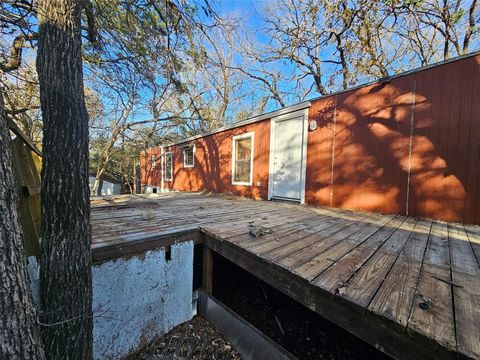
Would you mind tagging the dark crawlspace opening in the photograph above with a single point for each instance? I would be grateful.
(293, 326)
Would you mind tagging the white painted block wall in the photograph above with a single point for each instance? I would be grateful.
(140, 298)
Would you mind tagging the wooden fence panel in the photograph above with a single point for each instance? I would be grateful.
(27, 165)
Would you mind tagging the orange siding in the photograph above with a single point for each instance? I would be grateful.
(365, 154)
(149, 174)
(213, 163)
(372, 145)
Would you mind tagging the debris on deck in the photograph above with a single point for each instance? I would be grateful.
(257, 231)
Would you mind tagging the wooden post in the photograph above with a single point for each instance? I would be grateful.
(207, 269)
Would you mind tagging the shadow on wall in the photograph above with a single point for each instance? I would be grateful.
(151, 172)
(213, 164)
(409, 147)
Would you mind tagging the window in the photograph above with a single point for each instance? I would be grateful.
(168, 166)
(188, 156)
(154, 161)
(242, 159)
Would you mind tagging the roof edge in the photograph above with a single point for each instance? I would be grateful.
(396, 76)
(307, 103)
(254, 119)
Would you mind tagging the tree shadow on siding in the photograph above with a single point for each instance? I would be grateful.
(372, 155)
(213, 167)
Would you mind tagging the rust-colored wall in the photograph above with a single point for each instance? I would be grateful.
(372, 140)
(213, 163)
(380, 162)
(150, 175)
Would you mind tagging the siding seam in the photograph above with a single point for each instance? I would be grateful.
(333, 150)
(410, 146)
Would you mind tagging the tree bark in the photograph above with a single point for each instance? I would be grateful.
(19, 335)
(65, 277)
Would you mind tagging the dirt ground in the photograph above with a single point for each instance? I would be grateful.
(299, 330)
(195, 339)
(296, 328)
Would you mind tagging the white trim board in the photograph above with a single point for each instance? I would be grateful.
(301, 113)
(250, 135)
(162, 168)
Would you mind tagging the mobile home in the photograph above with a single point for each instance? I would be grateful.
(408, 144)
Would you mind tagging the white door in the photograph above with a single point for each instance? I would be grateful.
(287, 158)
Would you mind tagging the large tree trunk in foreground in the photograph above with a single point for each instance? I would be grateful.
(66, 284)
(19, 336)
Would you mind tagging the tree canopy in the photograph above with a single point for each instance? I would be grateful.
(160, 70)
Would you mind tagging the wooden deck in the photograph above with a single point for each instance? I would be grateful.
(409, 287)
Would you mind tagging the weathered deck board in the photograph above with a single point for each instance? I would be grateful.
(366, 281)
(473, 233)
(398, 288)
(465, 276)
(337, 275)
(283, 250)
(314, 267)
(369, 273)
(316, 244)
(312, 227)
(139, 226)
(436, 320)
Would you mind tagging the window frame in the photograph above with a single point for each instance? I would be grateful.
(251, 136)
(193, 156)
(169, 153)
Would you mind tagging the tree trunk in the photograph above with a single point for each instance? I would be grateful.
(20, 338)
(97, 185)
(106, 154)
(65, 277)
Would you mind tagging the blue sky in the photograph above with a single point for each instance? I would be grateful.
(249, 12)
(241, 7)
